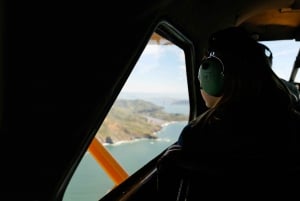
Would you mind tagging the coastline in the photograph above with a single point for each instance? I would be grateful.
(133, 140)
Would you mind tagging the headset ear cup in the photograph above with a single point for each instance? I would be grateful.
(211, 78)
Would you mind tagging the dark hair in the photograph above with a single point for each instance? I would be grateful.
(268, 54)
(248, 78)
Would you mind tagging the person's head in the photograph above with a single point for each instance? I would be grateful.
(235, 69)
(291, 87)
(268, 54)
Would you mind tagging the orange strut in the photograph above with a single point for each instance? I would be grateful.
(107, 161)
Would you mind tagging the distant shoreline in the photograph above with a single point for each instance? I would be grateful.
(139, 139)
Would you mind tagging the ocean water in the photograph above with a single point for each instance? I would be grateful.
(90, 182)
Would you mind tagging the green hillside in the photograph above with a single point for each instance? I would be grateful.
(133, 119)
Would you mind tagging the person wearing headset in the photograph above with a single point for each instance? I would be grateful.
(292, 88)
(243, 145)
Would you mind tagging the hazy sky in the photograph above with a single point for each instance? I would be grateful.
(162, 68)
(284, 54)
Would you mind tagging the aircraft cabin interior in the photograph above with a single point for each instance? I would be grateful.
(92, 93)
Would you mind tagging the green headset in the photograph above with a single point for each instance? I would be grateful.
(211, 75)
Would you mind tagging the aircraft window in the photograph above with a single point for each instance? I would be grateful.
(146, 118)
(284, 54)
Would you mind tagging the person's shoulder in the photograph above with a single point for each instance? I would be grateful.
(295, 116)
(208, 120)
(293, 89)
(294, 123)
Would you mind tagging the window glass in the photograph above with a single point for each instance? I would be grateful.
(284, 54)
(147, 117)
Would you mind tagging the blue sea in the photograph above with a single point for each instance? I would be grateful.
(90, 182)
